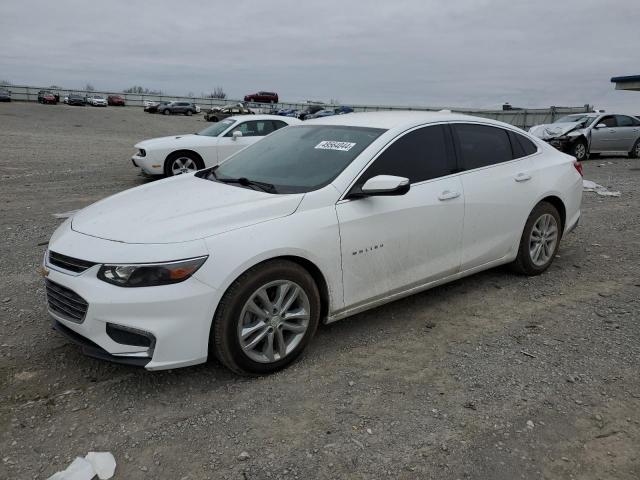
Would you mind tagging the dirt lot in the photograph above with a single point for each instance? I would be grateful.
(493, 377)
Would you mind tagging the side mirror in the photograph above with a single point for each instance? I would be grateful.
(236, 134)
(601, 125)
(383, 185)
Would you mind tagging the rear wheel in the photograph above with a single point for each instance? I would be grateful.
(188, 113)
(166, 111)
(579, 150)
(540, 240)
(635, 151)
(266, 318)
(182, 162)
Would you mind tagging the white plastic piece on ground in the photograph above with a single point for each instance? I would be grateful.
(589, 186)
(104, 464)
(80, 469)
(68, 214)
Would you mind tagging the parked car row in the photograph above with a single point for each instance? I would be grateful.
(314, 111)
(316, 222)
(215, 114)
(5, 95)
(591, 134)
(171, 107)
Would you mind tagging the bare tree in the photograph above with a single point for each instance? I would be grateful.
(142, 90)
(89, 88)
(218, 92)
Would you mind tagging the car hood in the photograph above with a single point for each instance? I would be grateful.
(553, 130)
(176, 141)
(180, 209)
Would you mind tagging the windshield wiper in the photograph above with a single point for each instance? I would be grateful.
(245, 182)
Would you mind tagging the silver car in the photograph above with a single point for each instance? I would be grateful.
(585, 134)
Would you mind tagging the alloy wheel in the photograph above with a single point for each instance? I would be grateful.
(580, 151)
(273, 321)
(183, 165)
(543, 240)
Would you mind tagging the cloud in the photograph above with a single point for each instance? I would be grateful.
(468, 53)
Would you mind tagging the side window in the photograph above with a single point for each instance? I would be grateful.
(624, 121)
(609, 121)
(419, 155)
(482, 145)
(277, 124)
(521, 145)
(254, 128)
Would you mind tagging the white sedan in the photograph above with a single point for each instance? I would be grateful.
(97, 101)
(314, 223)
(179, 154)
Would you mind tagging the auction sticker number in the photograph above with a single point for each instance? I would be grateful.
(333, 145)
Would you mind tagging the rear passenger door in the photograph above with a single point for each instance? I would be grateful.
(499, 185)
(392, 243)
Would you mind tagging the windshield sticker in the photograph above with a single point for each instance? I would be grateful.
(333, 145)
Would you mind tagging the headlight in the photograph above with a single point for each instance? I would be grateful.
(150, 274)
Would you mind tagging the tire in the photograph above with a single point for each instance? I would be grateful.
(579, 150)
(527, 262)
(188, 113)
(635, 151)
(213, 119)
(166, 111)
(182, 162)
(232, 310)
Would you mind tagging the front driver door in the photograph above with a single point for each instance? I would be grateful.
(603, 139)
(252, 131)
(390, 244)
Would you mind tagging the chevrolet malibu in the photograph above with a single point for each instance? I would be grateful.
(314, 223)
(180, 154)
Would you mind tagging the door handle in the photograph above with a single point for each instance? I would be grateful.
(448, 195)
(522, 177)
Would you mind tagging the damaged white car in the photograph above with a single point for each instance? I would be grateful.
(584, 134)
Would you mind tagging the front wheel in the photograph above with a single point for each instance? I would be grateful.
(188, 113)
(179, 163)
(579, 150)
(266, 318)
(166, 112)
(540, 240)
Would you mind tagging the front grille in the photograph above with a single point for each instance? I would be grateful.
(66, 302)
(69, 263)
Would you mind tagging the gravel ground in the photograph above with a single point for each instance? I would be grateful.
(496, 376)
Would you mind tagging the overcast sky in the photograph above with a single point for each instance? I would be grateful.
(458, 53)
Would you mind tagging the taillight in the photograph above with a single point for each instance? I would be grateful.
(578, 166)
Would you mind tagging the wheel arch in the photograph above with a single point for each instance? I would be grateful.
(316, 273)
(559, 206)
(174, 153)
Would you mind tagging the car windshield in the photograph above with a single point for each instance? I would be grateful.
(588, 120)
(301, 158)
(217, 128)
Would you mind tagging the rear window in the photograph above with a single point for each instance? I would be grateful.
(522, 146)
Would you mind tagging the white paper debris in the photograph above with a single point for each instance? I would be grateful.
(79, 469)
(104, 464)
(589, 186)
(68, 214)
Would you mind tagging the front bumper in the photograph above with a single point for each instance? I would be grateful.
(148, 165)
(176, 317)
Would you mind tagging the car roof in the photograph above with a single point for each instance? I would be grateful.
(395, 119)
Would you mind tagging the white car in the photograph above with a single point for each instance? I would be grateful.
(179, 154)
(97, 101)
(316, 222)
